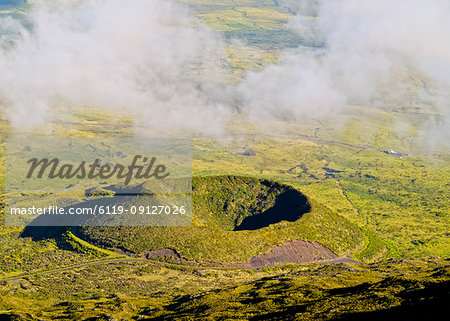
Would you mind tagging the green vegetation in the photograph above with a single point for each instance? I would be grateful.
(24, 255)
(147, 291)
(84, 247)
(381, 209)
(400, 200)
(220, 206)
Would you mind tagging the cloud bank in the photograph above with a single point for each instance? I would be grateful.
(148, 57)
(353, 51)
(155, 60)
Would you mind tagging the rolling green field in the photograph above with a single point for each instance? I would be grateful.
(389, 211)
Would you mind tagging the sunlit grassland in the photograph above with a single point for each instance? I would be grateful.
(146, 289)
(248, 28)
(365, 203)
(382, 129)
(207, 244)
(242, 58)
(23, 255)
(245, 18)
(400, 204)
(401, 200)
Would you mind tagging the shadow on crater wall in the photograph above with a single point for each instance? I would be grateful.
(257, 203)
(289, 206)
(39, 233)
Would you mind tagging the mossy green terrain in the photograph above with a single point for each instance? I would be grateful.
(148, 291)
(220, 206)
(389, 212)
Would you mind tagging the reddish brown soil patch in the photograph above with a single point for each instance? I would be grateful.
(293, 252)
(297, 251)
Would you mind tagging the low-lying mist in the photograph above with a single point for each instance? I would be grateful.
(362, 53)
(155, 59)
(145, 56)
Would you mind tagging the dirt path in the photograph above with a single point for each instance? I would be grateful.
(265, 260)
(70, 268)
(338, 260)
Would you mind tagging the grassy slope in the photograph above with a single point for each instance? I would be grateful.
(376, 191)
(402, 211)
(374, 202)
(309, 292)
(211, 237)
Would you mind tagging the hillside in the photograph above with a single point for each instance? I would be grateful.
(235, 218)
(415, 289)
(320, 163)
